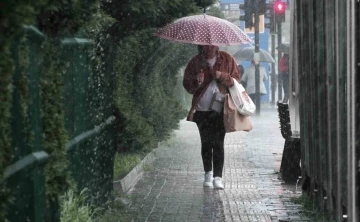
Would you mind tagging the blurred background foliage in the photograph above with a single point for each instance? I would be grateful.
(149, 107)
(142, 70)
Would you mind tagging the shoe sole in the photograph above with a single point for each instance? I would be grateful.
(218, 188)
(207, 184)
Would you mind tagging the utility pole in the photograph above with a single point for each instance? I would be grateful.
(275, 12)
(273, 72)
(279, 8)
(271, 25)
(279, 40)
(257, 58)
(253, 9)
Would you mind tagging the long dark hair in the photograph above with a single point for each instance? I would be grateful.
(201, 54)
(200, 49)
(241, 68)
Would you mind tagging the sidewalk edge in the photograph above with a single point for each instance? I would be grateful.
(126, 183)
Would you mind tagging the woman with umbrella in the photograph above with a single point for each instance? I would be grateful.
(284, 69)
(249, 79)
(208, 72)
(284, 75)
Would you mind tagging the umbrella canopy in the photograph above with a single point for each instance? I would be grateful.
(285, 48)
(247, 53)
(203, 30)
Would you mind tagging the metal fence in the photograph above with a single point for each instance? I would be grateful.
(88, 121)
(324, 68)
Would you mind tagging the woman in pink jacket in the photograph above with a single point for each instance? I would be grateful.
(284, 75)
(208, 72)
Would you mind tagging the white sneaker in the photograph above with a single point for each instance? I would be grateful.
(218, 183)
(208, 179)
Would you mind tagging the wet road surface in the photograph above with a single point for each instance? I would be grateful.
(172, 190)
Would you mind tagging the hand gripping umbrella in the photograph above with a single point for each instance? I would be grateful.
(203, 30)
(247, 53)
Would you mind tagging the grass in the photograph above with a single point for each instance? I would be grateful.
(124, 163)
(169, 142)
(309, 209)
(75, 209)
(114, 211)
(147, 167)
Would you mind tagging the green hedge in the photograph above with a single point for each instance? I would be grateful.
(13, 15)
(138, 15)
(54, 136)
(142, 67)
(147, 104)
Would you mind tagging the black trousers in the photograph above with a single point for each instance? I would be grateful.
(212, 134)
(253, 97)
(285, 83)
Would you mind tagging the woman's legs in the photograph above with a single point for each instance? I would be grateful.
(218, 153)
(252, 97)
(206, 146)
(212, 134)
(285, 83)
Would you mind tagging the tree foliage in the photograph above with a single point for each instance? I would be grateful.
(13, 15)
(64, 18)
(205, 3)
(146, 70)
(126, 54)
(146, 67)
(132, 16)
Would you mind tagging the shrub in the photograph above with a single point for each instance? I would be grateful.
(74, 207)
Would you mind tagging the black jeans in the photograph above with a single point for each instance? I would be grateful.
(253, 97)
(212, 134)
(285, 83)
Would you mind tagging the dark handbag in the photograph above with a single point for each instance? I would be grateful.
(217, 102)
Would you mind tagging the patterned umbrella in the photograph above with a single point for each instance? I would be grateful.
(203, 30)
(247, 53)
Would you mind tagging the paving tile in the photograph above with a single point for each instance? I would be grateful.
(173, 190)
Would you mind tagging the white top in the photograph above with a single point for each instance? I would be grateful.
(205, 101)
(249, 78)
(211, 62)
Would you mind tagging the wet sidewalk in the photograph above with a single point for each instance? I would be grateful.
(172, 190)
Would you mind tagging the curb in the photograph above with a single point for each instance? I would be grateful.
(135, 174)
